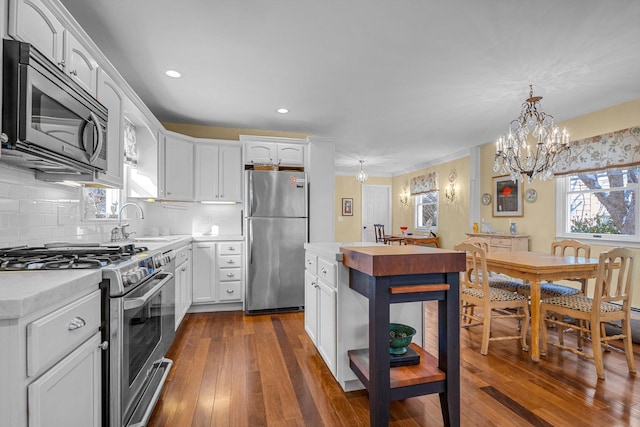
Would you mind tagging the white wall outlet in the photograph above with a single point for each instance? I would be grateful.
(340, 218)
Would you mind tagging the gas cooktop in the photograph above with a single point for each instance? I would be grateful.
(58, 256)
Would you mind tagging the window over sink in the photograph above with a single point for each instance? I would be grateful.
(99, 204)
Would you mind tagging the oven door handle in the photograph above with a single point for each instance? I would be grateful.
(131, 303)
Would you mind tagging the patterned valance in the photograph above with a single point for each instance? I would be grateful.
(609, 151)
(424, 183)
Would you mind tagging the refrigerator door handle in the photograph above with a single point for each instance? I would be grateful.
(250, 193)
(250, 233)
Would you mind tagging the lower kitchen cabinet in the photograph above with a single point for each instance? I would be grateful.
(218, 279)
(336, 318)
(51, 366)
(183, 282)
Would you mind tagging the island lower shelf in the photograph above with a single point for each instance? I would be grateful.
(406, 381)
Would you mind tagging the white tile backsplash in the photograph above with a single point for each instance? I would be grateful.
(35, 212)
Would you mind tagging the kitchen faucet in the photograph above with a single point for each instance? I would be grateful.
(118, 232)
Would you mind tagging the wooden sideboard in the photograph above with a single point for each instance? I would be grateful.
(504, 242)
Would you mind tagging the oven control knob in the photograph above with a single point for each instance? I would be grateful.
(135, 276)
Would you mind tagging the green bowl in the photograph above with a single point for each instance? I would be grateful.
(400, 337)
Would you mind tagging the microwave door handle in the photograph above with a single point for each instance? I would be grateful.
(131, 303)
(98, 147)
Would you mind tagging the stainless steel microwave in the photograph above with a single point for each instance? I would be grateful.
(51, 123)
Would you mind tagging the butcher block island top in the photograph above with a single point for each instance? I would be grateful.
(388, 260)
(400, 274)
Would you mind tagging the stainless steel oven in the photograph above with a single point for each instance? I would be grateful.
(141, 309)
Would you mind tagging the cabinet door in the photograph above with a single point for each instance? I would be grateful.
(31, 21)
(178, 168)
(204, 261)
(207, 171)
(327, 324)
(291, 154)
(183, 291)
(311, 306)
(69, 394)
(110, 95)
(230, 173)
(81, 65)
(261, 153)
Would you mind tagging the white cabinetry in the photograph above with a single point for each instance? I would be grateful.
(111, 96)
(275, 151)
(51, 365)
(218, 171)
(183, 282)
(33, 22)
(217, 275)
(178, 167)
(336, 317)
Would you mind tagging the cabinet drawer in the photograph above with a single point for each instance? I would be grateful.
(230, 291)
(55, 335)
(182, 254)
(230, 261)
(228, 274)
(327, 271)
(230, 248)
(501, 242)
(310, 263)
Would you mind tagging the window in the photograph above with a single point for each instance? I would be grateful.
(599, 205)
(100, 203)
(427, 211)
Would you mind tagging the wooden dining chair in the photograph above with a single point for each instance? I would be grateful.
(500, 281)
(492, 302)
(379, 230)
(547, 289)
(611, 302)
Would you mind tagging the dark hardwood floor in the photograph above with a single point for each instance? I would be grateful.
(236, 370)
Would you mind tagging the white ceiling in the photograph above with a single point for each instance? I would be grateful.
(398, 83)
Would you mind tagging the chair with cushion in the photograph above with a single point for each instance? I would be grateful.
(492, 302)
(548, 289)
(611, 302)
(501, 281)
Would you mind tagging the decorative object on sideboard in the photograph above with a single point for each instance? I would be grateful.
(450, 190)
(533, 144)
(362, 176)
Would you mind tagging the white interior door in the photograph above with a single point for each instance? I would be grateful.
(376, 209)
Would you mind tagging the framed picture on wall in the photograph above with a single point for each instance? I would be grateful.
(507, 197)
(347, 207)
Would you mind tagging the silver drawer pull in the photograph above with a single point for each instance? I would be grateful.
(230, 274)
(231, 248)
(230, 261)
(230, 291)
(76, 323)
(323, 270)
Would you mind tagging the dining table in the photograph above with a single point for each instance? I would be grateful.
(535, 268)
(412, 239)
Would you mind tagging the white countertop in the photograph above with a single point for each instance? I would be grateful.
(331, 250)
(24, 292)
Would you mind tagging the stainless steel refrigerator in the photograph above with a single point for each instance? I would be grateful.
(276, 228)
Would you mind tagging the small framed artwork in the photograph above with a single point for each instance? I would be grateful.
(347, 207)
(507, 197)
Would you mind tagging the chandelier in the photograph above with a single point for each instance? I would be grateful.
(532, 146)
(362, 176)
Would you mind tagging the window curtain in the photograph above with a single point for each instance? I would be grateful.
(613, 150)
(424, 183)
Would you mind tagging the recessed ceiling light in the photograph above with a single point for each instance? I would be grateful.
(282, 110)
(173, 73)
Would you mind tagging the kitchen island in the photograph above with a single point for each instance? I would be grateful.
(336, 316)
(390, 275)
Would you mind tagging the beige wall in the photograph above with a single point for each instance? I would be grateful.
(350, 228)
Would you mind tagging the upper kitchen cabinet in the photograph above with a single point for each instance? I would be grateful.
(273, 151)
(111, 96)
(178, 168)
(34, 22)
(218, 171)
